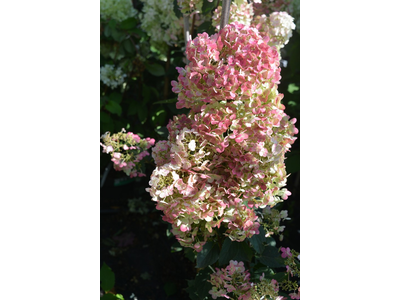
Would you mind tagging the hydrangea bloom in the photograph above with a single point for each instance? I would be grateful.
(110, 77)
(266, 287)
(242, 13)
(127, 151)
(160, 22)
(233, 279)
(278, 26)
(191, 6)
(117, 9)
(271, 221)
(227, 156)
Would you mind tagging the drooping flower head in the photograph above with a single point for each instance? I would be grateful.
(226, 157)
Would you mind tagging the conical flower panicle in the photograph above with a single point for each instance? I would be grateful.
(226, 157)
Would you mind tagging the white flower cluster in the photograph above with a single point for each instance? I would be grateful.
(117, 9)
(112, 78)
(242, 13)
(160, 23)
(280, 28)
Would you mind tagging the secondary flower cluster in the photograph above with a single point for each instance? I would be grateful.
(271, 221)
(160, 22)
(127, 151)
(226, 157)
(292, 269)
(110, 77)
(117, 9)
(242, 13)
(278, 26)
(234, 281)
(191, 6)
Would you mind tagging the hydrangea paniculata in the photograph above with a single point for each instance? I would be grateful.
(191, 6)
(234, 279)
(127, 151)
(111, 77)
(234, 282)
(226, 157)
(158, 19)
(117, 9)
(241, 13)
(278, 26)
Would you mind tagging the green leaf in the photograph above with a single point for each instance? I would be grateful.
(292, 163)
(119, 296)
(271, 257)
(117, 35)
(190, 254)
(133, 108)
(170, 288)
(204, 26)
(172, 100)
(115, 97)
(257, 240)
(176, 247)
(108, 297)
(107, 278)
(142, 112)
(129, 23)
(139, 32)
(208, 255)
(198, 289)
(292, 87)
(239, 251)
(208, 6)
(155, 69)
(113, 107)
(107, 31)
(177, 10)
(128, 46)
(146, 92)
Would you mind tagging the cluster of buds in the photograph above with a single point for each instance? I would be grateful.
(127, 151)
(226, 157)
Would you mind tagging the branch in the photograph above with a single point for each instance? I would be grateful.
(225, 13)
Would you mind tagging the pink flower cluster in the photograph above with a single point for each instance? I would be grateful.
(226, 157)
(127, 151)
(233, 279)
(236, 64)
